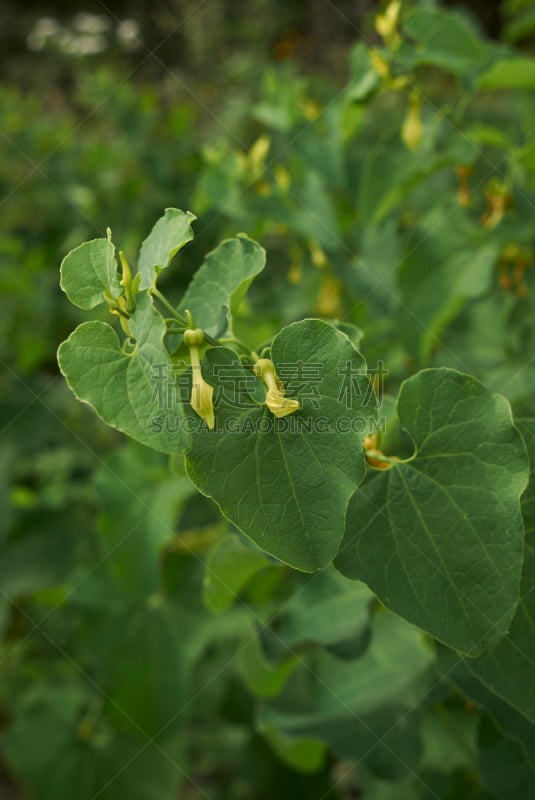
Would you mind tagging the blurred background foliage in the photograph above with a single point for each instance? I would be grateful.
(148, 652)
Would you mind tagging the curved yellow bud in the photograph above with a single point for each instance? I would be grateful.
(386, 24)
(202, 398)
(122, 313)
(201, 392)
(412, 128)
(278, 404)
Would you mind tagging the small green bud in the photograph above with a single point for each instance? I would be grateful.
(193, 338)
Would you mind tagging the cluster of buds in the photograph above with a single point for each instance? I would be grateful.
(463, 193)
(512, 267)
(499, 199)
(374, 456)
(202, 392)
(125, 304)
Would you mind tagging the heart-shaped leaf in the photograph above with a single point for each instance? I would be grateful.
(134, 392)
(439, 536)
(507, 669)
(286, 482)
(88, 271)
(360, 707)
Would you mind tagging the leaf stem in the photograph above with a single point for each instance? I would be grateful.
(239, 342)
(164, 301)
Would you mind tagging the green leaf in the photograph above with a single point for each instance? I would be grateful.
(286, 483)
(261, 677)
(364, 78)
(359, 706)
(43, 557)
(139, 502)
(303, 755)
(521, 26)
(439, 536)
(509, 73)
(508, 670)
(220, 283)
(503, 763)
(151, 693)
(449, 735)
(64, 726)
(512, 723)
(526, 427)
(88, 271)
(169, 235)
(443, 39)
(326, 608)
(229, 567)
(134, 392)
(449, 262)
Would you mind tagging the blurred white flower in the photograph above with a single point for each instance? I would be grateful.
(90, 23)
(127, 33)
(44, 29)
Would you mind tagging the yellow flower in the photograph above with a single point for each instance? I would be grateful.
(278, 404)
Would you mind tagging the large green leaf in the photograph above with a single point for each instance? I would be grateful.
(509, 73)
(134, 392)
(508, 669)
(360, 708)
(443, 39)
(43, 557)
(450, 260)
(439, 536)
(286, 483)
(504, 767)
(58, 725)
(326, 608)
(512, 723)
(526, 426)
(169, 235)
(221, 282)
(138, 499)
(88, 271)
(229, 567)
(261, 677)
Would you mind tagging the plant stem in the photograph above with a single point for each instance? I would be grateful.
(156, 293)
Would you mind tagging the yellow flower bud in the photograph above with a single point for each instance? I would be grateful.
(123, 317)
(380, 65)
(256, 158)
(201, 391)
(202, 398)
(386, 24)
(412, 128)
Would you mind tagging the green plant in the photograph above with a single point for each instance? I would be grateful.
(435, 528)
(154, 647)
